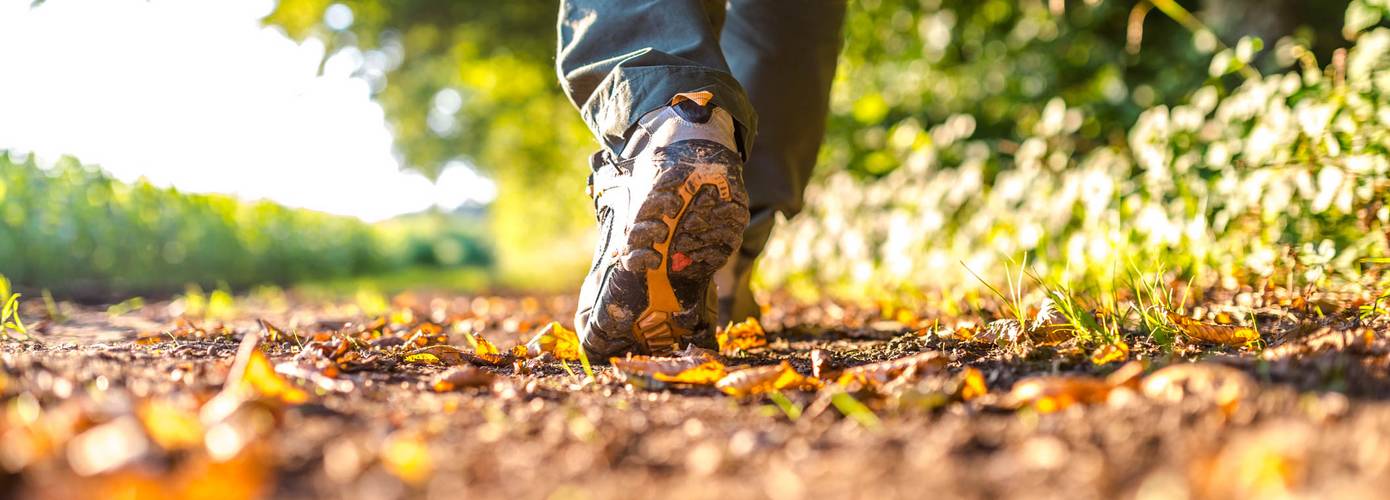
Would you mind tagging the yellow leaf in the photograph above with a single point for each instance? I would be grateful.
(556, 340)
(972, 384)
(1109, 353)
(1216, 334)
(694, 370)
(706, 373)
(483, 347)
(422, 358)
(170, 426)
(259, 375)
(741, 336)
(762, 379)
(452, 355)
(407, 457)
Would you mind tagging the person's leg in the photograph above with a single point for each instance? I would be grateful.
(650, 80)
(784, 53)
(621, 59)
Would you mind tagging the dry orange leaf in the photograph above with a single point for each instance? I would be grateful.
(694, 370)
(462, 376)
(874, 374)
(742, 336)
(1051, 393)
(258, 375)
(556, 340)
(762, 379)
(972, 384)
(1216, 334)
(428, 334)
(1110, 353)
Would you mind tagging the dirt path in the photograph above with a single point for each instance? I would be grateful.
(137, 403)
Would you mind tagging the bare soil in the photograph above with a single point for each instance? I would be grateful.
(103, 405)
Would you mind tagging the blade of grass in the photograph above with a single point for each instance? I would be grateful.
(854, 410)
(790, 409)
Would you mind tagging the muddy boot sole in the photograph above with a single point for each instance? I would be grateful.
(687, 227)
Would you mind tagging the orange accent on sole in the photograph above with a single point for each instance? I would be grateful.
(653, 328)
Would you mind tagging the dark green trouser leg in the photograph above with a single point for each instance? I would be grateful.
(619, 59)
(784, 53)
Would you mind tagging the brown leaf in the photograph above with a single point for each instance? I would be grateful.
(820, 363)
(1216, 334)
(876, 374)
(1219, 384)
(1049, 327)
(462, 376)
(742, 336)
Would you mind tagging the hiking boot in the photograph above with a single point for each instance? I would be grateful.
(671, 210)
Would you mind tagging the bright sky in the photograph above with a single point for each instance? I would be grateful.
(200, 96)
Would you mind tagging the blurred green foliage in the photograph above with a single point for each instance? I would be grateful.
(72, 229)
(1279, 173)
(473, 80)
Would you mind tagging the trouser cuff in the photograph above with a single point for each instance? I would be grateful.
(627, 94)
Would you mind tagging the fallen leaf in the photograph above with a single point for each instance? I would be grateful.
(1110, 353)
(1050, 393)
(1049, 327)
(1216, 334)
(698, 369)
(253, 373)
(762, 379)
(422, 358)
(1003, 329)
(462, 376)
(972, 384)
(742, 336)
(169, 425)
(274, 333)
(482, 346)
(556, 340)
(428, 334)
(323, 378)
(820, 363)
(1219, 384)
(452, 355)
(879, 373)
